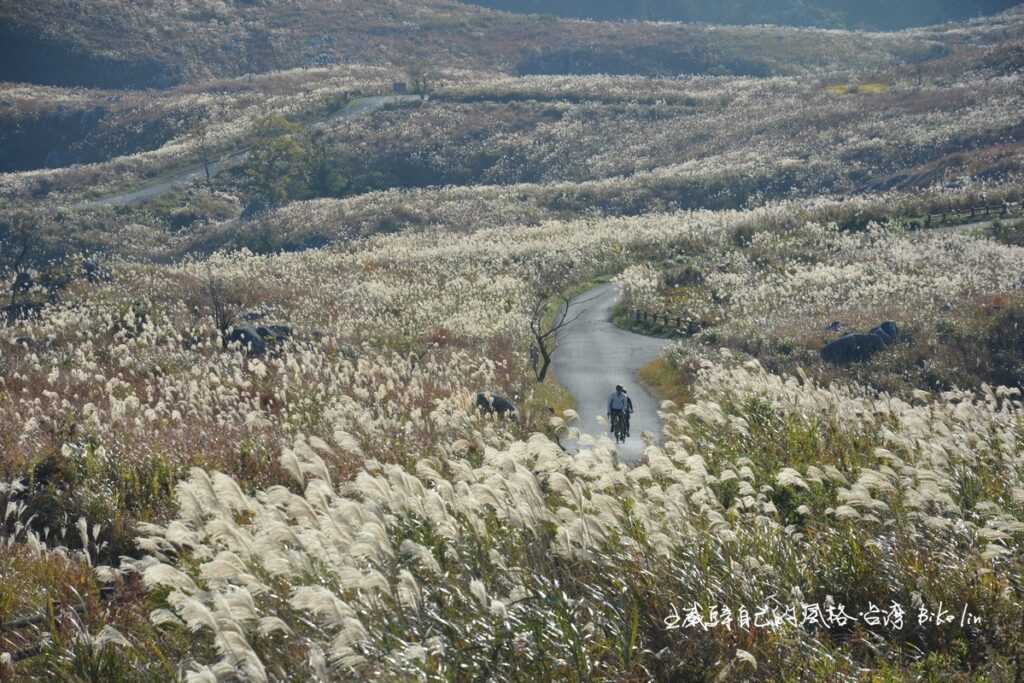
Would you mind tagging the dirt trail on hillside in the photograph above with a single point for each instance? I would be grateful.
(593, 356)
(185, 177)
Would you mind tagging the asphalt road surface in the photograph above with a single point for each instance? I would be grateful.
(593, 356)
(185, 177)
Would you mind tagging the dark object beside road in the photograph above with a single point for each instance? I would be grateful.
(275, 333)
(887, 331)
(856, 348)
(248, 338)
(493, 403)
(256, 340)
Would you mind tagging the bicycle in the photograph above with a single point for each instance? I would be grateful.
(619, 427)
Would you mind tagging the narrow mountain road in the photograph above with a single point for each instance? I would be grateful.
(184, 177)
(961, 228)
(593, 356)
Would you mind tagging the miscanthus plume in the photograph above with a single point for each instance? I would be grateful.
(357, 575)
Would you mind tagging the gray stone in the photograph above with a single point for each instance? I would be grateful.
(275, 333)
(852, 348)
(887, 331)
(491, 403)
(248, 339)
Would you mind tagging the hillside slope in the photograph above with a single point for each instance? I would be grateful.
(115, 44)
(874, 14)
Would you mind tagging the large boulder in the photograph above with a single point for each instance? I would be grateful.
(492, 403)
(852, 348)
(248, 339)
(258, 340)
(887, 331)
(276, 334)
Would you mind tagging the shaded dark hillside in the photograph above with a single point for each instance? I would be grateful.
(65, 136)
(143, 44)
(27, 56)
(873, 14)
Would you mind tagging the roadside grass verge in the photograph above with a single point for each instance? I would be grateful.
(857, 89)
(666, 381)
(1007, 231)
(978, 341)
(544, 401)
(621, 316)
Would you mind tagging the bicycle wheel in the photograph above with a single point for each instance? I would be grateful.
(618, 428)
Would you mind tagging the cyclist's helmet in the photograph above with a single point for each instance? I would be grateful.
(618, 387)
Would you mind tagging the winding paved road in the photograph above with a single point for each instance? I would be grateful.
(593, 356)
(185, 177)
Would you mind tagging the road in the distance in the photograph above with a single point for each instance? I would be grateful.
(185, 177)
(593, 356)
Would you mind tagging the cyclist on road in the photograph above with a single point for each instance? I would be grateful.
(618, 405)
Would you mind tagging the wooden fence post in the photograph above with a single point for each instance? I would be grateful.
(975, 211)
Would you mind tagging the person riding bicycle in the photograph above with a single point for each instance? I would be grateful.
(618, 404)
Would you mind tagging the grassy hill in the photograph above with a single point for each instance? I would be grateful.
(831, 13)
(238, 434)
(113, 44)
(679, 143)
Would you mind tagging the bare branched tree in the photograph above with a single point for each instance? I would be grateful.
(223, 308)
(421, 78)
(544, 327)
(551, 312)
(16, 250)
